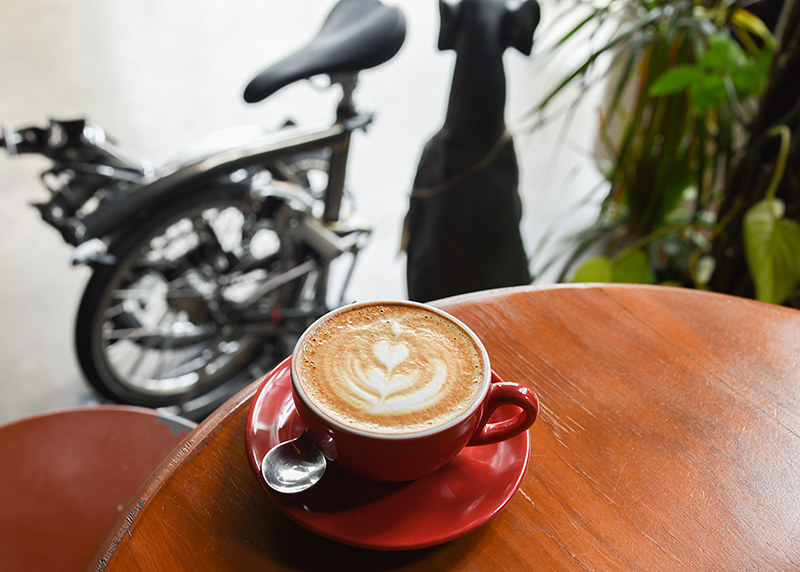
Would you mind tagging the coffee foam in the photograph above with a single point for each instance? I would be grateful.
(390, 368)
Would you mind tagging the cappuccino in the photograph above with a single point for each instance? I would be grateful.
(391, 368)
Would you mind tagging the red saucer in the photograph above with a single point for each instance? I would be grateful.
(447, 504)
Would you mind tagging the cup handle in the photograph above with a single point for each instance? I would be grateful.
(505, 393)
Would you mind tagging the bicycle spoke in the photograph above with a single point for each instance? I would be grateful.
(145, 334)
(173, 365)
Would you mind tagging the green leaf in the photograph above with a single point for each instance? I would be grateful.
(772, 250)
(754, 25)
(703, 270)
(595, 269)
(710, 93)
(676, 79)
(751, 79)
(723, 55)
(634, 268)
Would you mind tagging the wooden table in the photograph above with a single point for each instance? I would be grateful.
(669, 439)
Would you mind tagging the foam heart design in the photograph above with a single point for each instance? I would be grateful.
(390, 355)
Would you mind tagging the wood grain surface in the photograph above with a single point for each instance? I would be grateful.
(669, 439)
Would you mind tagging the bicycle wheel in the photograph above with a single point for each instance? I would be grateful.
(162, 326)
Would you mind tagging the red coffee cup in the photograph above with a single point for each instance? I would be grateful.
(392, 457)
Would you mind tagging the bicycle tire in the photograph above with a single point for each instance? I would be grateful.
(178, 287)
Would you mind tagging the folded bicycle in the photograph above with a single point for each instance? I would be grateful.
(206, 269)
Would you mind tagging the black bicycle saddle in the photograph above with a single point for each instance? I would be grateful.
(356, 35)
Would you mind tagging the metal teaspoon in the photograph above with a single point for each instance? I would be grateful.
(293, 466)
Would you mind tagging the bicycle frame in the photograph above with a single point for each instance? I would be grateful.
(271, 148)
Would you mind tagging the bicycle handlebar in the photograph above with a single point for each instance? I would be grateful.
(23, 140)
(4, 136)
(51, 141)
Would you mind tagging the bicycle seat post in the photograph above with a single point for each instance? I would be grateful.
(345, 110)
(347, 107)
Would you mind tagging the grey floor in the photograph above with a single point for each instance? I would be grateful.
(160, 75)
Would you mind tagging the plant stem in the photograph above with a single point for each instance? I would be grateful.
(785, 135)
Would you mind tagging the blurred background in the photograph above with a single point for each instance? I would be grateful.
(159, 75)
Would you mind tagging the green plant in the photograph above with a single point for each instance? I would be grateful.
(685, 82)
(772, 241)
(758, 251)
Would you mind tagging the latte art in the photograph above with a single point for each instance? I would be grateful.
(390, 368)
(383, 389)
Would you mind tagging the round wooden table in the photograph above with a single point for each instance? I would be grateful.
(669, 439)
